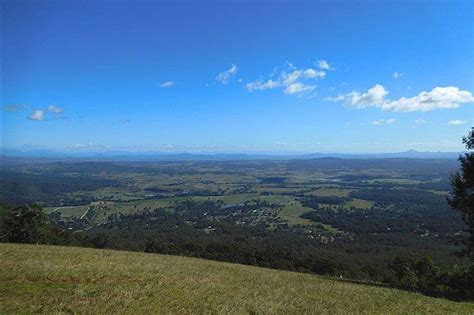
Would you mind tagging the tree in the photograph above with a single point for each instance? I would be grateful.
(23, 224)
(462, 196)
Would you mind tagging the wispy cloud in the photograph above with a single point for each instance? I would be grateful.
(420, 121)
(41, 114)
(258, 85)
(55, 109)
(298, 88)
(398, 75)
(281, 144)
(292, 80)
(457, 122)
(438, 98)
(37, 115)
(389, 121)
(167, 84)
(324, 65)
(225, 76)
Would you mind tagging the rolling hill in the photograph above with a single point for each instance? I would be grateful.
(51, 279)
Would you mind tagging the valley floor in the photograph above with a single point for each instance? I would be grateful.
(51, 279)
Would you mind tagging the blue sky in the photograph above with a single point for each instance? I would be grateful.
(240, 76)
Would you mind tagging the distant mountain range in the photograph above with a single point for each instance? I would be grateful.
(166, 156)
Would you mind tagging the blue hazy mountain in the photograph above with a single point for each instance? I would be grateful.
(185, 156)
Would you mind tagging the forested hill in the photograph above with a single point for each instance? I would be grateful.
(51, 279)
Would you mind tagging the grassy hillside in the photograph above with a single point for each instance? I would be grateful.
(66, 279)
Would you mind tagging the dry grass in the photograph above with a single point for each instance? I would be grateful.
(52, 279)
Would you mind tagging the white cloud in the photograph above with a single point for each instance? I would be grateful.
(398, 75)
(167, 84)
(310, 73)
(437, 98)
(225, 76)
(40, 114)
(292, 81)
(37, 115)
(298, 88)
(324, 65)
(457, 122)
(420, 121)
(270, 84)
(294, 76)
(389, 121)
(373, 97)
(54, 109)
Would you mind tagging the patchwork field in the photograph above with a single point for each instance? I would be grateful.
(293, 190)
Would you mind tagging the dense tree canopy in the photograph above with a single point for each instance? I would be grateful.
(29, 224)
(462, 198)
(23, 224)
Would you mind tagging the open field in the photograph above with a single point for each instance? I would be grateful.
(358, 203)
(69, 212)
(52, 279)
(396, 181)
(292, 214)
(334, 191)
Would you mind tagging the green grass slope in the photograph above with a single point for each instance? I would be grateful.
(54, 279)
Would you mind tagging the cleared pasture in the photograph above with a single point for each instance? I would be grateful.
(54, 279)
